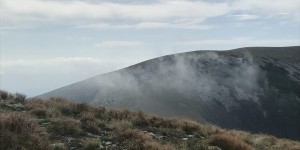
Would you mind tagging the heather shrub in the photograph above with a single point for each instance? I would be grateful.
(78, 108)
(39, 112)
(19, 131)
(65, 126)
(20, 97)
(120, 124)
(99, 112)
(3, 95)
(89, 123)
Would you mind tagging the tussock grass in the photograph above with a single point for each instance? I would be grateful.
(135, 140)
(21, 131)
(58, 123)
(227, 141)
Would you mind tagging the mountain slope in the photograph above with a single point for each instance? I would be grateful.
(57, 124)
(254, 89)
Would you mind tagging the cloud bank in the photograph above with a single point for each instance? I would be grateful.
(139, 14)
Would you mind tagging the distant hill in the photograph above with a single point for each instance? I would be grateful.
(58, 124)
(255, 88)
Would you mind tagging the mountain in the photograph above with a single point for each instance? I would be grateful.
(255, 89)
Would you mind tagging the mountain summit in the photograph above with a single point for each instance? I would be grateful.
(255, 89)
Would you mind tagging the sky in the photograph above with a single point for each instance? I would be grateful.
(47, 44)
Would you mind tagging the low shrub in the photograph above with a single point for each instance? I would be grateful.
(20, 97)
(135, 140)
(99, 111)
(39, 112)
(120, 124)
(20, 131)
(88, 123)
(3, 95)
(65, 126)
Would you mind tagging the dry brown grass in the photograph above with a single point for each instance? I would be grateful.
(91, 144)
(63, 118)
(136, 140)
(228, 141)
(89, 123)
(65, 126)
(20, 131)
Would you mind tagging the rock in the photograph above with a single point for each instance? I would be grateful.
(19, 106)
(185, 139)
(151, 134)
(160, 137)
(57, 146)
(190, 136)
(92, 135)
(70, 139)
(73, 148)
(108, 143)
(46, 123)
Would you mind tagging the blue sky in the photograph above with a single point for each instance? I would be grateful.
(46, 44)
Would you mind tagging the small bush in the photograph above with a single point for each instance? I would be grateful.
(99, 112)
(120, 124)
(227, 141)
(20, 97)
(68, 108)
(89, 123)
(120, 114)
(39, 112)
(3, 95)
(135, 140)
(65, 126)
(19, 131)
(140, 120)
(78, 108)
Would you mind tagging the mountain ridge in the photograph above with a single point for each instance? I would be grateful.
(233, 88)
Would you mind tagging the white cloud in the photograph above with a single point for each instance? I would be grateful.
(242, 41)
(138, 14)
(246, 17)
(76, 59)
(269, 7)
(148, 25)
(50, 10)
(118, 44)
(51, 61)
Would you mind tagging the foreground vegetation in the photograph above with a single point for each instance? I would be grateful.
(60, 124)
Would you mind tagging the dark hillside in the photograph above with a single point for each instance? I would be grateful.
(255, 89)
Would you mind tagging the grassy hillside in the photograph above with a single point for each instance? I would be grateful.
(61, 124)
